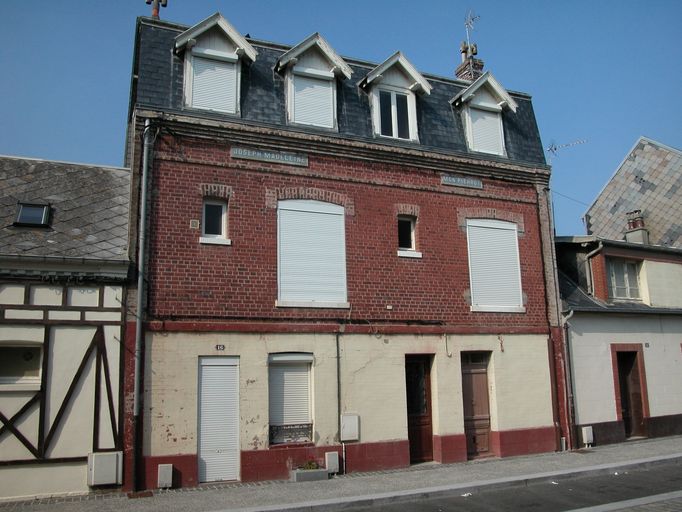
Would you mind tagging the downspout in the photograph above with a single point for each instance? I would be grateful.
(141, 241)
(588, 261)
(570, 407)
(338, 398)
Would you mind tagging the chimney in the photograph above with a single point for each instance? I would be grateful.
(471, 68)
(636, 233)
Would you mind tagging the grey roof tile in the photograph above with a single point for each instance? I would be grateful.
(89, 209)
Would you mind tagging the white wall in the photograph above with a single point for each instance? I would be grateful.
(593, 379)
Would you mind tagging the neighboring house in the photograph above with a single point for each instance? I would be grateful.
(622, 308)
(344, 257)
(649, 180)
(63, 268)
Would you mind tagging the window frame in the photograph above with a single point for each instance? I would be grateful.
(612, 264)
(314, 74)
(211, 238)
(8, 383)
(45, 218)
(210, 55)
(408, 252)
(411, 112)
(471, 142)
(518, 306)
(297, 360)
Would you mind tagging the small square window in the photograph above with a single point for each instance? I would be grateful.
(407, 242)
(20, 364)
(32, 215)
(406, 233)
(214, 223)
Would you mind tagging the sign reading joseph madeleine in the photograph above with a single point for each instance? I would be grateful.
(270, 156)
(460, 181)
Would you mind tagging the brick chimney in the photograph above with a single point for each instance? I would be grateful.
(471, 68)
(636, 233)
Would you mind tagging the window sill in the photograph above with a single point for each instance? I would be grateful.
(214, 241)
(301, 444)
(311, 304)
(409, 253)
(20, 386)
(498, 309)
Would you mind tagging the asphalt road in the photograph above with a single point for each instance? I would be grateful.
(559, 495)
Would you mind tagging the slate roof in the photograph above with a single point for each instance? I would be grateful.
(158, 84)
(650, 180)
(89, 210)
(574, 298)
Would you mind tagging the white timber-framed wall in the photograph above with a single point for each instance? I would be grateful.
(50, 424)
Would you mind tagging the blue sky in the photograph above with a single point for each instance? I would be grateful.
(603, 71)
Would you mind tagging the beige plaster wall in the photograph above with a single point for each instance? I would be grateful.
(41, 481)
(373, 384)
(661, 284)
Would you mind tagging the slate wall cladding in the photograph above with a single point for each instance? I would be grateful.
(262, 101)
(191, 280)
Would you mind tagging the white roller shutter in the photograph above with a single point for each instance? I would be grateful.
(214, 84)
(219, 453)
(311, 252)
(494, 267)
(289, 393)
(313, 101)
(486, 131)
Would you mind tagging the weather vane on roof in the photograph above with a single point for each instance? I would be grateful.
(469, 23)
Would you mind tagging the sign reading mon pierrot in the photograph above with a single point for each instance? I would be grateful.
(460, 181)
(270, 156)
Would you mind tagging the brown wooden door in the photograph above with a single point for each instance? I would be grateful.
(630, 394)
(475, 401)
(418, 390)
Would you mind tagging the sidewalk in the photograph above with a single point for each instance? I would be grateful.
(378, 487)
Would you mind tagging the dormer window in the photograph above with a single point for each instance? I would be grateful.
(214, 52)
(481, 109)
(36, 215)
(311, 69)
(623, 279)
(392, 86)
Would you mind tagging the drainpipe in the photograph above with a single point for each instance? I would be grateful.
(588, 258)
(338, 398)
(141, 241)
(570, 406)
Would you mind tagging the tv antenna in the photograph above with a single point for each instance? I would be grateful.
(554, 148)
(469, 21)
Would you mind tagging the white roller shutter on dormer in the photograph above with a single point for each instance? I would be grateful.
(313, 101)
(486, 131)
(214, 84)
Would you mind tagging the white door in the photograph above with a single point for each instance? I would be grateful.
(218, 418)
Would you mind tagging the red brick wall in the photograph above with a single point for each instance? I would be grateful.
(599, 283)
(191, 280)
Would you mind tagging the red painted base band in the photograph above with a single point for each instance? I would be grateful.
(185, 470)
(452, 448)
(377, 456)
(274, 464)
(523, 441)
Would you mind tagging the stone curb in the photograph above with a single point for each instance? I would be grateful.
(458, 489)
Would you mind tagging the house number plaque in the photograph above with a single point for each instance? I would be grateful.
(220, 347)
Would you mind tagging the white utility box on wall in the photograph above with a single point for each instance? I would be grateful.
(105, 468)
(350, 427)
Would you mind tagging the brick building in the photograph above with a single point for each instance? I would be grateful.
(342, 256)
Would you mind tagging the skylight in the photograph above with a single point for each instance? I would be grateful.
(33, 214)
